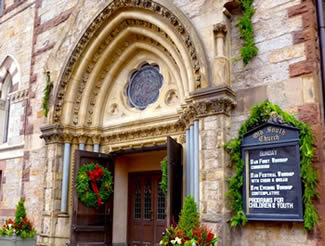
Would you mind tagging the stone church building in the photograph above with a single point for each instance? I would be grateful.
(94, 55)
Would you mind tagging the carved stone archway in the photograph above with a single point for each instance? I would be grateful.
(90, 105)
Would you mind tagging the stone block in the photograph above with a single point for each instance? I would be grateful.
(309, 93)
(248, 97)
(310, 114)
(208, 140)
(287, 53)
(286, 94)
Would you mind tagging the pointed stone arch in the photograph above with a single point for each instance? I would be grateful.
(9, 67)
(118, 36)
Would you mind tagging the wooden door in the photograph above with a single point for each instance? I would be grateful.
(92, 226)
(147, 203)
(175, 181)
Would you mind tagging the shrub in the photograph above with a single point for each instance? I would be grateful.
(21, 226)
(189, 218)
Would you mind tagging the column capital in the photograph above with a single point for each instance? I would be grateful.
(206, 102)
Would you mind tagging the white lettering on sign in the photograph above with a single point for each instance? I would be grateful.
(268, 187)
(284, 187)
(285, 174)
(268, 152)
(279, 160)
(265, 193)
(260, 167)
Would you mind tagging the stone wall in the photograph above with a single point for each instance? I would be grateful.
(41, 34)
(285, 72)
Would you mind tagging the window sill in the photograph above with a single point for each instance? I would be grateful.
(11, 151)
(5, 146)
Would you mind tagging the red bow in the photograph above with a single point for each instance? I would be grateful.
(95, 176)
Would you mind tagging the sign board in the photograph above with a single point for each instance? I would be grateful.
(272, 183)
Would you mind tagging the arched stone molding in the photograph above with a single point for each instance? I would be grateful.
(121, 30)
(9, 66)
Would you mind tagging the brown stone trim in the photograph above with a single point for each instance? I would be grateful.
(307, 35)
(7, 212)
(44, 49)
(12, 6)
(54, 22)
(6, 11)
(26, 175)
(310, 114)
(7, 63)
(14, 87)
(300, 9)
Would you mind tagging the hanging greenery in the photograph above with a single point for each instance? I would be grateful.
(259, 115)
(164, 179)
(249, 49)
(94, 184)
(46, 93)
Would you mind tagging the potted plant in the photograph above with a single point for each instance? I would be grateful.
(189, 231)
(18, 232)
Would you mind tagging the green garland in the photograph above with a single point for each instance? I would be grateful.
(47, 92)
(164, 179)
(249, 50)
(260, 114)
(85, 194)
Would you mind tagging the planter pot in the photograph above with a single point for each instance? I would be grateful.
(17, 241)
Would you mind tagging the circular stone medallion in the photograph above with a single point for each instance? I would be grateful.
(144, 86)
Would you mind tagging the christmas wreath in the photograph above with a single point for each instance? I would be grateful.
(93, 184)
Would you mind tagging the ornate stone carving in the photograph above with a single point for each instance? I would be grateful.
(56, 134)
(171, 97)
(220, 28)
(211, 101)
(96, 25)
(19, 95)
(113, 58)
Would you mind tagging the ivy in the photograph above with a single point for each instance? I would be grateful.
(248, 50)
(164, 180)
(259, 115)
(46, 93)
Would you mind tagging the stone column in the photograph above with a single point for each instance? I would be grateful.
(55, 225)
(221, 68)
(212, 107)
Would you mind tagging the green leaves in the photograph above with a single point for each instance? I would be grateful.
(85, 194)
(20, 210)
(248, 50)
(189, 218)
(259, 115)
(46, 94)
(164, 179)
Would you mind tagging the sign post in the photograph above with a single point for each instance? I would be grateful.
(272, 184)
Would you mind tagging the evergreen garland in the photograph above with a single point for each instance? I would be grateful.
(248, 50)
(46, 93)
(259, 115)
(164, 179)
(84, 192)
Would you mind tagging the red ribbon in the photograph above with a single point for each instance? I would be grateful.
(95, 176)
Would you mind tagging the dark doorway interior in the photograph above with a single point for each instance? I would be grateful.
(146, 209)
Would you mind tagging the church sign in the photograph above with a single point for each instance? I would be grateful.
(272, 184)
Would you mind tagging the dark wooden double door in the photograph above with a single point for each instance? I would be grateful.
(149, 210)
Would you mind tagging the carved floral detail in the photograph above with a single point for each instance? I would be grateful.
(95, 26)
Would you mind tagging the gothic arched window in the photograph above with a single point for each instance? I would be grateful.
(9, 85)
(5, 108)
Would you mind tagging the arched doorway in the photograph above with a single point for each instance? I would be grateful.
(103, 102)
